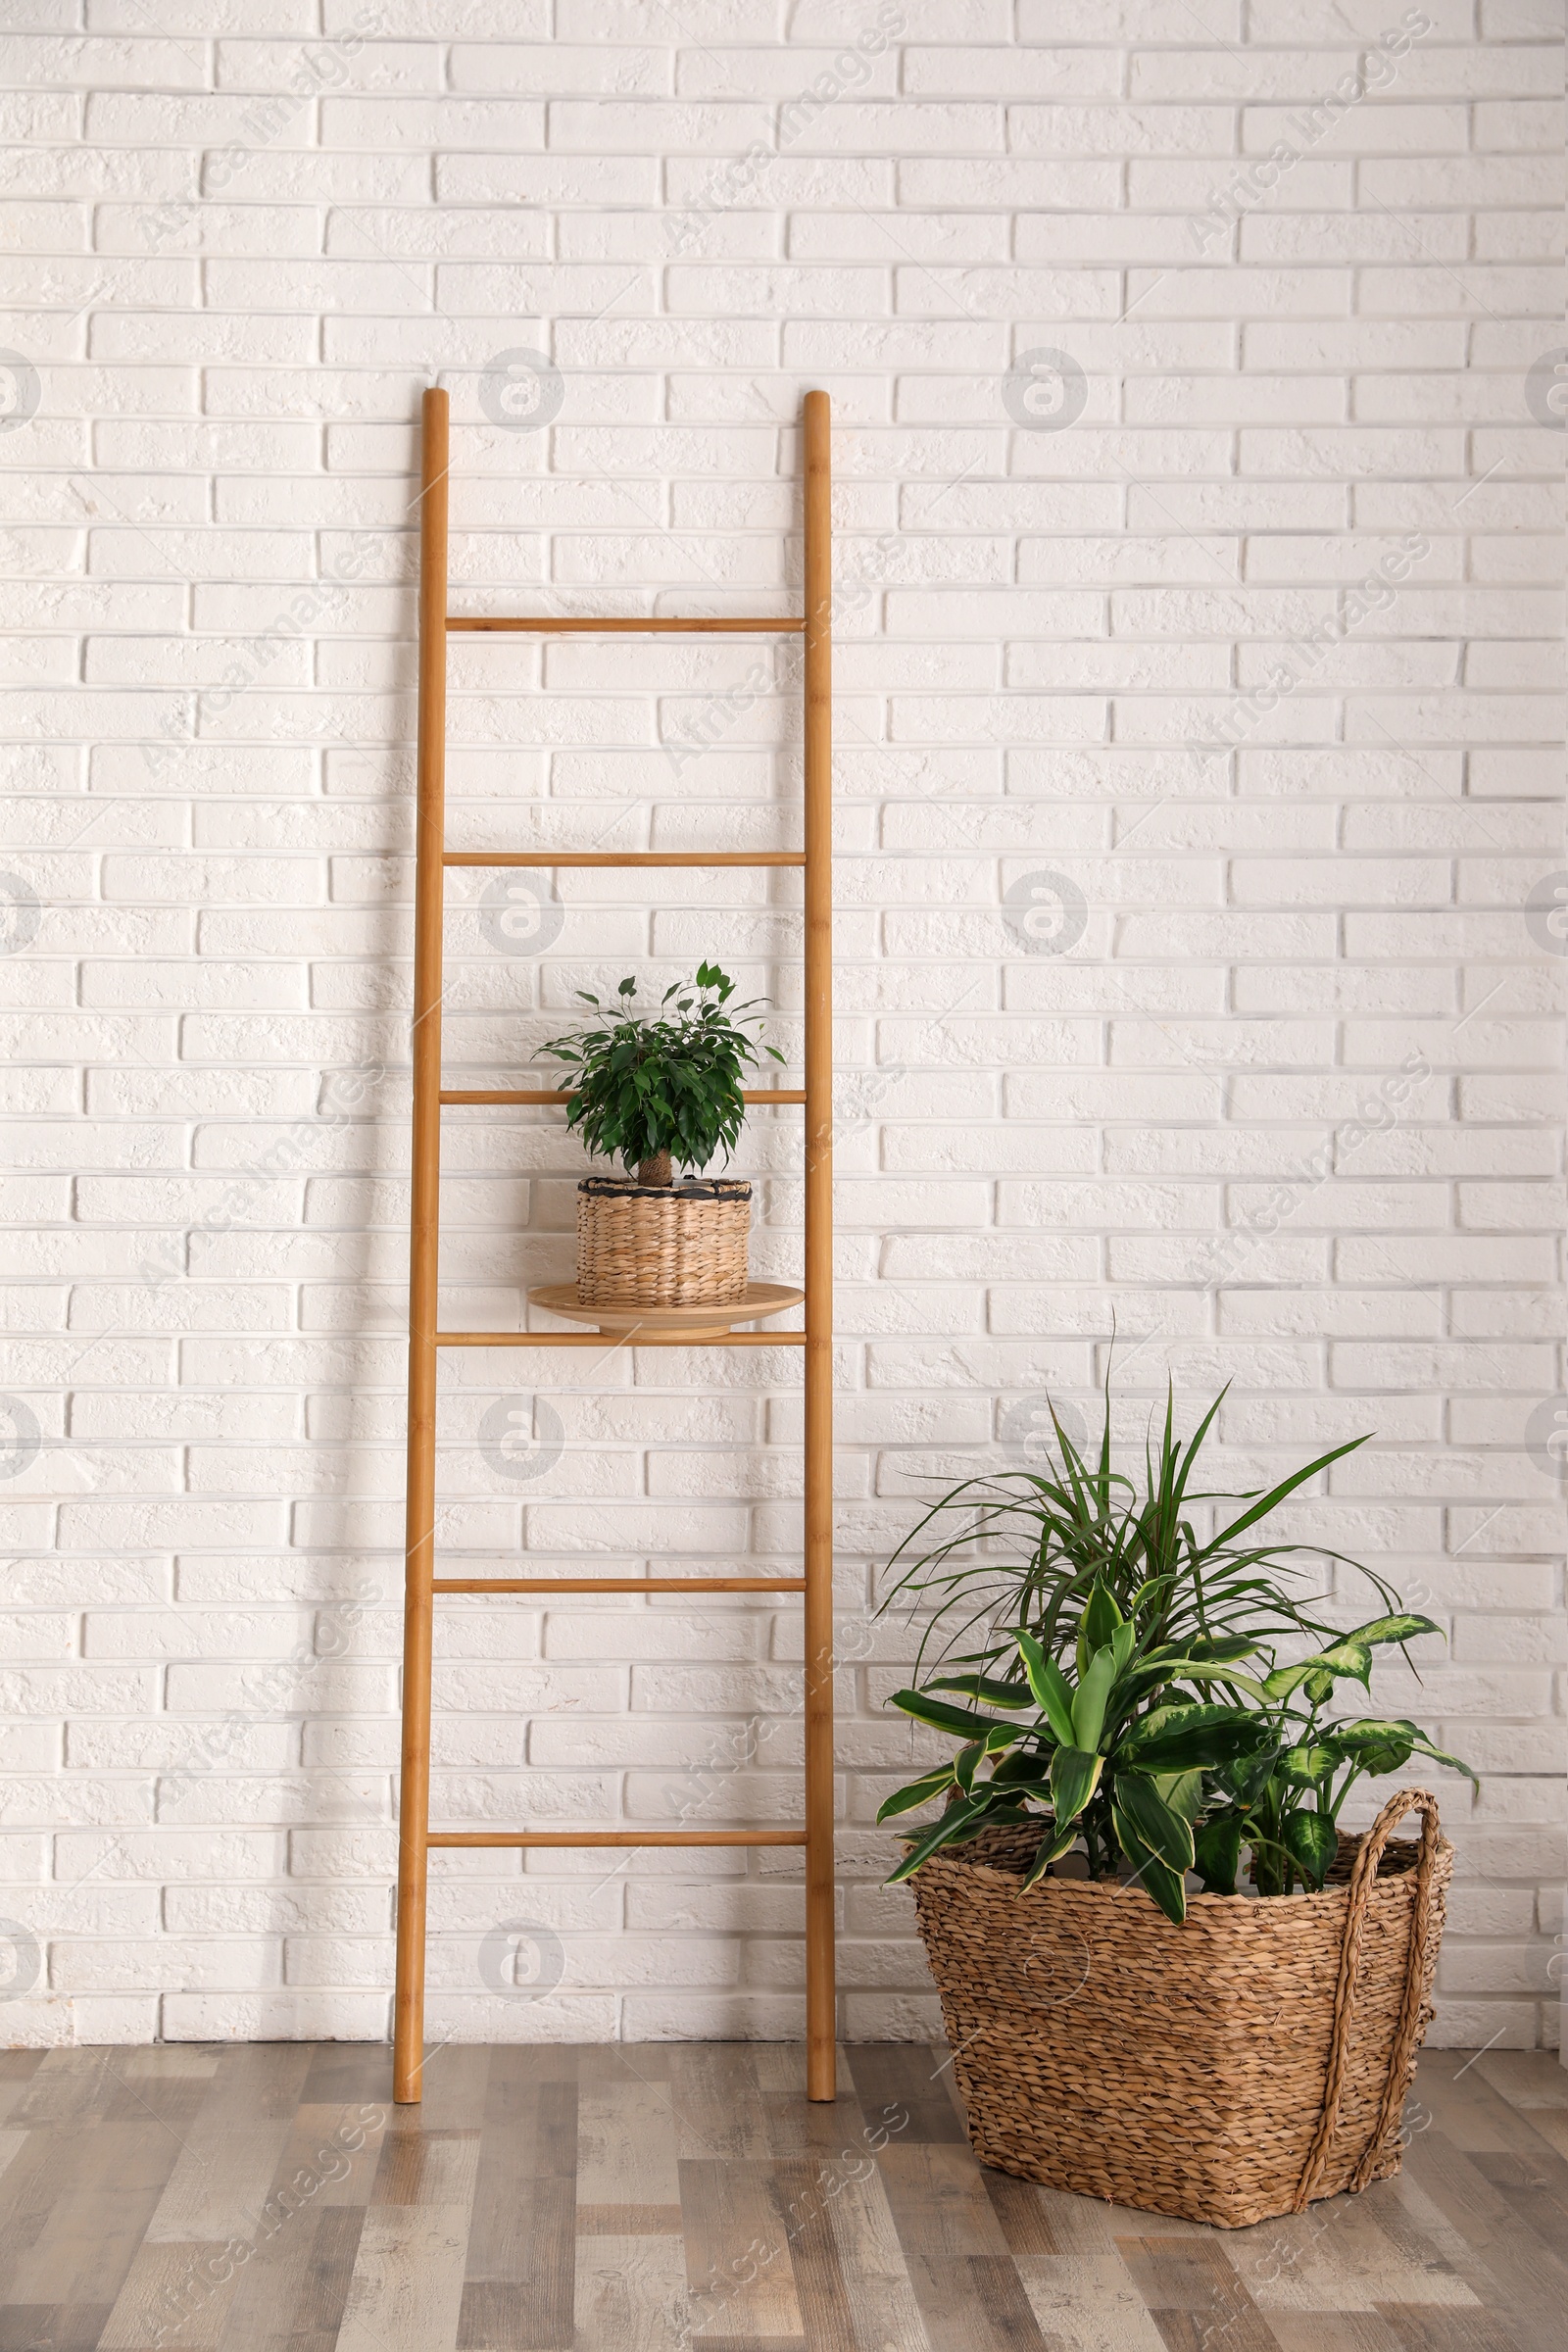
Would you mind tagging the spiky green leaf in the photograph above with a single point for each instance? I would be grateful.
(1164, 1833)
(987, 1686)
(1089, 1699)
(1050, 1687)
(1074, 1778)
(1217, 1852)
(1167, 1887)
(940, 1717)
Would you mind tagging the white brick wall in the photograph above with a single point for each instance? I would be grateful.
(1286, 1105)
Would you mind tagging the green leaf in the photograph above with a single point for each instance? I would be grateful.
(1221, 1649)
(1022, 1786)
(996, 1694)
(943, 1718)
(1157, 1878)
(1052, 1850)
(1089, 1699)
(915, 1792)
(1350, 1657)
(1370, 1731)
(1284, 1680)
(1167, 1836)
(1217, 1852)
(1198, 1670)
(1380, 1745)
(1307, 1763)
(1311, 1842)
(957, 1824)
(1189, 1738)
(1276, 1494)
(1074, 1777)
(1183, 1791)
(1050, 1687)
(1441, 1755)
(1100, 1617)
(1402, 1628)
(1248, 1776)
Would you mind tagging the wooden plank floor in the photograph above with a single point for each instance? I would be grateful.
(684, 2197)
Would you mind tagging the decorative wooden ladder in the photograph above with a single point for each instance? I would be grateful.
(415, 1834)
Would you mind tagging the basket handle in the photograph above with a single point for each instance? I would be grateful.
(1362, 1879)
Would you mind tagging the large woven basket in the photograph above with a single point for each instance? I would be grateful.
(675, 1244)
(1239, 2066)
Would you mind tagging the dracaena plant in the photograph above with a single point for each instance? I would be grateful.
(662, 1090)
(1022, 1550)
(1109, 1756)
(1097, 1604)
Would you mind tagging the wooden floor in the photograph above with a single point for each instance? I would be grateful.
(661, 2196)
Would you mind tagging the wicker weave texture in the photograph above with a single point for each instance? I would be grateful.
(663, 1245)
(1101, 2049)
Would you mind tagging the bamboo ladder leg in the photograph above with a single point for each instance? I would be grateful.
(821, 2000)
(414, 1807)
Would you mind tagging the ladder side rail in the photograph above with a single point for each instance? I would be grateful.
(415, 1836)
(820, 1997)
(413, 1797)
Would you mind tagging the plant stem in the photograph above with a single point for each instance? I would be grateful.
(655, 1171)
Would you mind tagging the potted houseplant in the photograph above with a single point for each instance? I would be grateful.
(1124, 2022)
(661, 1091)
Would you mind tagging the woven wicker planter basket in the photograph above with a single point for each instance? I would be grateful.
(1239, 2066)
(680, 1245)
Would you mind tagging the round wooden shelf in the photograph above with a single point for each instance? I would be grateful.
(709, 1321)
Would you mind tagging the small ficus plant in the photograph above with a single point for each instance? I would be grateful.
(662, 1090)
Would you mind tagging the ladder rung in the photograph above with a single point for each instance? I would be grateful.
(616, 1338)
(616, 1838)
(616, 858)
(535, 1094)
(619, 1584)
(590, 625)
